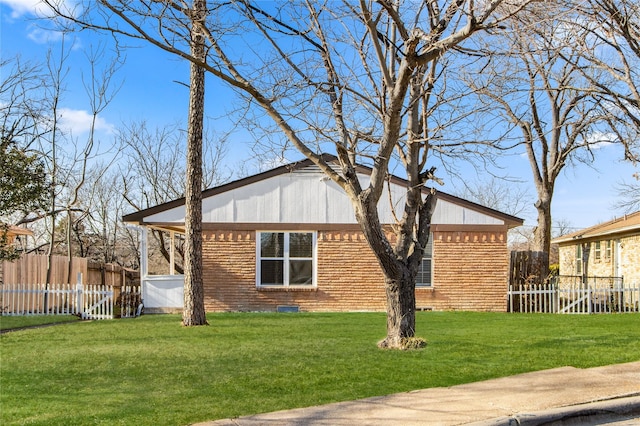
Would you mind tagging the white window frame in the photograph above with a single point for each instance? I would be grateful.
(286, 258)
(579, 259)
(427, 285)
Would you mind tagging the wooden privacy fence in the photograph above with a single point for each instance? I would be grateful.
(528, 267)
(32, 268)
(23, 294)
(568, 294)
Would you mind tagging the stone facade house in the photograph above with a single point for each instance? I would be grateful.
(287, 239)
(610, 249)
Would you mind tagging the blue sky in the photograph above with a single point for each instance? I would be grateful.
(150, 91)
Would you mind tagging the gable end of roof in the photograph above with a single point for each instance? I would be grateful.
(138, 217)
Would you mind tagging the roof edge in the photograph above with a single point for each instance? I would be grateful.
(601, 229)
(138, 217)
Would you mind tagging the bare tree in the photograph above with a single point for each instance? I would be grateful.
(154, 172)
(499, 194)
(67, 157)
(34, 116)
(533, 80)
(505, 195)
(609, 39)
(629, 194)
(355, 79)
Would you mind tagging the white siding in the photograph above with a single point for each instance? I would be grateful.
(447, 213)
(307, 196)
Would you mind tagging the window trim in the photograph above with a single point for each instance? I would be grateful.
(285, 285)
(578, 259)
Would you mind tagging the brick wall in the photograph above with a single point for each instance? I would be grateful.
(567, 260)
(470, 274)
(630, 259)
(605, 266)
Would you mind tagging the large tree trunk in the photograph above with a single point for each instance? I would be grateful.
(401, 310)
(194, 312)
(542, 233)
(399, 264)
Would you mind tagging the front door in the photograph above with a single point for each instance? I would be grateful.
(617, 267)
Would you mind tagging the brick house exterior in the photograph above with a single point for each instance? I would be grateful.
(610, 249)
(296, 206)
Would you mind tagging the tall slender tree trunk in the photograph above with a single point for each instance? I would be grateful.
(194, 312)
(542, 233)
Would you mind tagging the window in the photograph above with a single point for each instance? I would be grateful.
(286, 259)
(597, 250)
(607, 250)
(579, 259)
(424, 276)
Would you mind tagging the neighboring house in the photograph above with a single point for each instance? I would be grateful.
(13, 232)
(10, 234)
(610, 249)
(288, 238)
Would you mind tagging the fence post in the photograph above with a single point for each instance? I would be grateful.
(79, 294)
(510, 293)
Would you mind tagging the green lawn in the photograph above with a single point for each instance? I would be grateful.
(152, 371)
(18, 321)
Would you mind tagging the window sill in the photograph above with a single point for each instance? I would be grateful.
(287, 289)
(429, 288)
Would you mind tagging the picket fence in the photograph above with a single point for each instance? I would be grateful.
(574, 299)
(86, 301)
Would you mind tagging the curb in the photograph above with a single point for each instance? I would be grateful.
(621, 408)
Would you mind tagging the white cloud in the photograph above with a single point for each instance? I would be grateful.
(41, 32)
(79, 122)
(599, 140)
(20, 8)
(43, 36)
(269, 163)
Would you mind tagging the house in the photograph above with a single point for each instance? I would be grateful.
(610, 249)
(288, 239)
(11, 233)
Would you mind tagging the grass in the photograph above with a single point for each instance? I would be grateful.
(150, 370)
(13, 322)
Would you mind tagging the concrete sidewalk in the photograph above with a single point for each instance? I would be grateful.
(579, 396)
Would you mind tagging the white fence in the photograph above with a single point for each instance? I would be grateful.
(86, 301)
(575, 299)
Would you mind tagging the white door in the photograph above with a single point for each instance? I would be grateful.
(617, 267)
